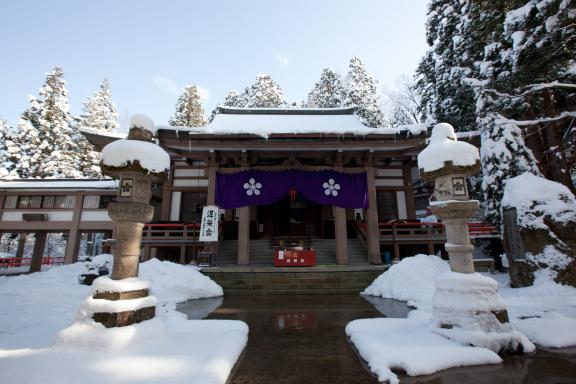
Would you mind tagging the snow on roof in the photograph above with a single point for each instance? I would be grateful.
(142, 121)
(59, 184)
(99, 132)
(151, 157)
(266, 122)
(535, 198)
(444, 146)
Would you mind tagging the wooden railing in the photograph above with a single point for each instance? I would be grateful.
(423, 230)
(175, 231)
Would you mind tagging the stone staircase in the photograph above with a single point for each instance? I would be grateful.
(262, 253)
(289, 281)
(261, 277)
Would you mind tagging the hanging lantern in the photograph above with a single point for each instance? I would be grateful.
(293, 194)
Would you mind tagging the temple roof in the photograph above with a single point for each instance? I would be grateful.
(57, 184)
(265, 122)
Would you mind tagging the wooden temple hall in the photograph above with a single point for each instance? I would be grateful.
(295, 187)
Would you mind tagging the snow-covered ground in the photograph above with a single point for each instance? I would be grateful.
(545, 313)
(168, 349)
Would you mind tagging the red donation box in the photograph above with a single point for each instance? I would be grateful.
(294, 258)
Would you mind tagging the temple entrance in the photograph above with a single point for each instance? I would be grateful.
(290, 217)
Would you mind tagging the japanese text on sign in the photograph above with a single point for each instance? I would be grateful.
(209, 224)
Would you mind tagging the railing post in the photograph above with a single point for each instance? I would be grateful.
(430, 242)
(396, 259)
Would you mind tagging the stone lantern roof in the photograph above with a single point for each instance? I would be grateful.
(445, 155)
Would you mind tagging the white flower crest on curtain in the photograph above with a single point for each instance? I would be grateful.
(331, 188)
(252, 187)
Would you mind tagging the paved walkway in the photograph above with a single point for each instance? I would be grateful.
(301, 340)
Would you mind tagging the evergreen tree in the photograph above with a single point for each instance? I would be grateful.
(327, 92)
(264, 93)
(235, 99)
(45, 133)
(361, 92)
(8, 151)
(503, 154)
(449, 60)
(99, 110)
(189, 110)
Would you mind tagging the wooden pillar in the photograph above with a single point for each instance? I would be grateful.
(21, 244)
(341, 235)
(183, 254)
(409, 191)
(371, 216)
(38, 251)
(212, 168)
(244, 224)
(340, 224)
(244, 236)
(73, 244)
(167, 196)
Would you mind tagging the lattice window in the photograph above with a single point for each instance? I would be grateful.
(387, 206)
(11, 202)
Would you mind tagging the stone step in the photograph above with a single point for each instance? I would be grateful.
(288, 282)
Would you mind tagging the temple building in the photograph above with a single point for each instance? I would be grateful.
(310, 179)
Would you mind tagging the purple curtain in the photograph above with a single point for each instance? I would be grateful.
(266, 187)
(343, 190)
(234, 190)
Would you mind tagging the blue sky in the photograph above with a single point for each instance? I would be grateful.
(150, 49)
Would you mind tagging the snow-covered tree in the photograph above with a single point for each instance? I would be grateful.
(327, 92)
(99, 110)
(235, 99)
(402, 104)
(189, 110)
(8, 151)
(45, 136)
(503, 154)
(361, 92)
(264, 93)
(449, 59)
(49, 142)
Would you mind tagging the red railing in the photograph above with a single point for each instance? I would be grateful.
(15, 262)
(415, 229)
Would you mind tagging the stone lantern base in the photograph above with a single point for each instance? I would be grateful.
(468, 309)
(119, 303)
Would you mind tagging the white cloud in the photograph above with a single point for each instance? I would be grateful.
(173, 87)
(167, 85)
(282, 58)
(203, 92)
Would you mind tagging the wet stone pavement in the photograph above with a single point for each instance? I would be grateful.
(301, 339)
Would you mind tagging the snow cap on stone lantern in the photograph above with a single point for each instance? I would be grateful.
(138, 152)
(448, 162)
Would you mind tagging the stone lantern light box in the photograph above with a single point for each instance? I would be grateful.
(136, 161)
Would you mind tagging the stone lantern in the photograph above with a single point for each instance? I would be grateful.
(467, 306)
(448, 162)
(137, 162)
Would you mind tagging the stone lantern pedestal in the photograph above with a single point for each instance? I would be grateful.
(137, 161)
(467, 306)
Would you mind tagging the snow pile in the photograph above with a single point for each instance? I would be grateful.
(142, 121)
(536, 198)
(444, 146)
(36, 306)
(411, 280)
(174, 283)
(544, 312)
(465, 305)
(411, 345)
(167, 349)
(150, 156)
(106, 284)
